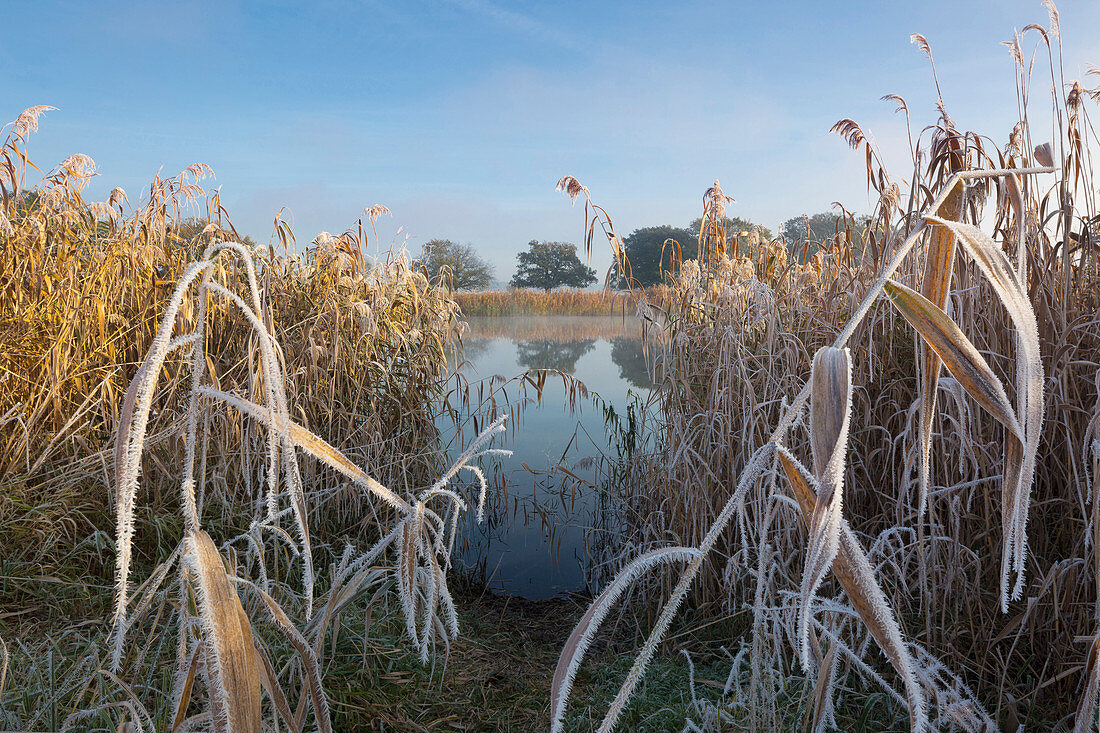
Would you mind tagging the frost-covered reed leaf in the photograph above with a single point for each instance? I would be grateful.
(342, 594)
(959, 355)
(971, 371)
(830, 416)
(4, 659)
(187, 684)
(935, 285)
(314, 445)
(231, 668)
(823, 689)
(856, 576)
(270, 682)
(577, 644)
(129, 444)
(1010, 286)
(405, 574)
(310, 666)
(1085, 719)
(759, 460)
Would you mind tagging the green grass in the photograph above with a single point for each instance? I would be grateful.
(497, 674)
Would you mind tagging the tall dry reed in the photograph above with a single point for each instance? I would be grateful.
(365, 347)
(237, 362)
(221, 646)
(939, 495)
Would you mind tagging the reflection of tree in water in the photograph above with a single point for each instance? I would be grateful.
(560, 355)
(473, 349)
(627, 354)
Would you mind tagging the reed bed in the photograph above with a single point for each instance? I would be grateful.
(238, 358)
(853, 446)
(556, 329)
(82, 286)
(563, 301)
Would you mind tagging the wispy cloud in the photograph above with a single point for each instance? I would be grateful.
(522, 23)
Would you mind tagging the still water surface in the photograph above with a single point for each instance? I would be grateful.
(540, 539)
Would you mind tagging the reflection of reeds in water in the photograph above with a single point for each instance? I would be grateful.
(555, 328)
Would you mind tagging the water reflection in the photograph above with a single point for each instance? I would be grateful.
(559, 355)
(541, 533)
(628, 355)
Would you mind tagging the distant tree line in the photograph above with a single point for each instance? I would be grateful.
(654, 252)
(544, 265)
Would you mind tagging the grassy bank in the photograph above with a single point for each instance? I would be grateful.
(493, 678)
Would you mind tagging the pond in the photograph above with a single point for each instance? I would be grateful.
(546, 529)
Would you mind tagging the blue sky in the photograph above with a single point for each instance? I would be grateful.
(460, 116)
